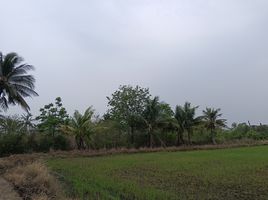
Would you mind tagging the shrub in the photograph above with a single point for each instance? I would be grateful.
(44, 143)
(13, 144)
(61, 143)
(24, 143)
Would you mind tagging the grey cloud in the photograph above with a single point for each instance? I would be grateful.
(209, 52)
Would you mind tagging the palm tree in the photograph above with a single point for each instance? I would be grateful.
(28, 122)
(81, 126)
(190, 120)
(15, 83)
(212, 121)
(11, 125)
(154, 116)
(180, 122)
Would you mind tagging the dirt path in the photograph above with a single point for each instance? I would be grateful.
(7, 192)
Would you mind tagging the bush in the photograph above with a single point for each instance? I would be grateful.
(200, 137)
(24, 143)
(13, 144)
(61, 143)
(243, 131)
(43, 143)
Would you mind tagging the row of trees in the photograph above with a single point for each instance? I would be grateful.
(134, 118)
(154, 120)
(133, 113)
(135, 109)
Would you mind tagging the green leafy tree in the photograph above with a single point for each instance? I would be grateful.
(126, 105)
(15, 82)
(52, 117)
(81, 127)
(212, 121)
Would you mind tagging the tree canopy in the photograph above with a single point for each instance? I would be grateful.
(127, 104)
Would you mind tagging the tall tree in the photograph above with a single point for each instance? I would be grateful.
(212, 121)
(80, 126)
(15, 82)
(126, 105)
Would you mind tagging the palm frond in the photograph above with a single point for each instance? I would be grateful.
(11, 60)
(25, 91)
(20, 70)
(26, 80)
(15, 84)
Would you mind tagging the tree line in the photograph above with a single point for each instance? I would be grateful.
(134, 118)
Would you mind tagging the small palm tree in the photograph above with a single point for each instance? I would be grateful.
(15, 83)
(81, 126)
(212, 121)
(28, 122)
(180, 122)
(155, 116)
(151, 118)
(11, 125)
(190, 120)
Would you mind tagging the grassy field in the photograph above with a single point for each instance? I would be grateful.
(240, 173)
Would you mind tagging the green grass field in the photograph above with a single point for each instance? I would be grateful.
(240, 173)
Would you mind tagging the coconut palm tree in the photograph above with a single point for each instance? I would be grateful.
(11, 125)
(80, 126)
(15, 83)
(156, 115)
(151, 118)
(212, 121)
(28, 122)
(179, 123)
(190, 119)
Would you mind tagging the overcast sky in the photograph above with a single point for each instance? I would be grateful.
(209, 52)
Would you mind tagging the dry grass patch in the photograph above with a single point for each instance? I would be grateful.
(33, 180)
(106, 152)
(30, 178)
(15, 161)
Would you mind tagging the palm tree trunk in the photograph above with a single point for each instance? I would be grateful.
(131, 135)
(213, 136)
(150, 136)
(189, 137)
(80, 143)
(180, 138)
(151, 140)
